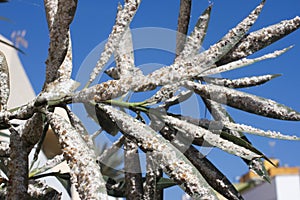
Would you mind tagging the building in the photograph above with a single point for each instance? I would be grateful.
(285, 184)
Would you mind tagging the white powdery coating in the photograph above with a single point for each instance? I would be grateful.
(123, 19)
(125, 58)
(4, 149)
(78, 125)
(85, 172)
(241, 82)
(4, 82)
(262, 38)
(51, 9)
(39, 189)
(59, 40)
(218, 50)
(51, 163)
(243, 62)
(193, 67)
(164, 93)
(244, 101)
(194, 41)
(256, 131)
(58, 89)
(65, 70)
(196, 132)
(171, 159)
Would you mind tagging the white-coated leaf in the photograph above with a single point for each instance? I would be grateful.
(243, 62)
(4, 82)
(257, 131)
(58, 89)
(192, 131)
(123, 19)
(174, 163)
(194, 41)
(260, 39)
(84, 170)
(241, 82)
(244, 101)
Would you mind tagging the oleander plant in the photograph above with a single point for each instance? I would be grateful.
(170, 141)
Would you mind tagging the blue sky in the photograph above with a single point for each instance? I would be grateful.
(92, 25)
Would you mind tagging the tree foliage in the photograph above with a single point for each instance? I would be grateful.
(170, 141)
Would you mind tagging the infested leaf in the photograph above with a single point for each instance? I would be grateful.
(171, 160)
(256, 131)
(243, 63)
(259, 168)
(260, 39)
(105, 121)
(244, 101)
(194, 41)
(215, 178)
(4, 82)
(241, 82)
(220, 114)
(59, 89)
(80, 158)
(221, 48)
(195, 132)
(123, 19)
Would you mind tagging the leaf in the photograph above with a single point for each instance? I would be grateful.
(260, 39)
(243, 62)
(123, 19)
(212, 174)
(215, 178)
(105, 121)
(4, 82)
(220, 114)
(171, 160)
(183, 24)
(244, 101)
(59, 26)
(256, 131)
(59, 89)
(194, 132)
(241, 82)
(194, 41)
(84, 171)
(164, 183)
(221, 48)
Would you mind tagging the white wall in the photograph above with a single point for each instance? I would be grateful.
(288, 187)
(282, 187)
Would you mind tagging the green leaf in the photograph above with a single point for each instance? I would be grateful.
(106, 122)
(164, 183)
